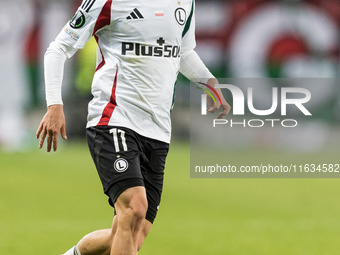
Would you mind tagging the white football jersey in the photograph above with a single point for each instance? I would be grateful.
(140, 44)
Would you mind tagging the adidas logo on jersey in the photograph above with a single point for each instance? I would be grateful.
(135, 15)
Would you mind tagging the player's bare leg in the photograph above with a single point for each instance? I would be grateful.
(100, 242)
(144, 233)
(96, 243)
(131, 208)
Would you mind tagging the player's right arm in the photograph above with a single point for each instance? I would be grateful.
(90, 17)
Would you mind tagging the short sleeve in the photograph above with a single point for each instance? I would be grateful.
(90, 17)
(188, 35)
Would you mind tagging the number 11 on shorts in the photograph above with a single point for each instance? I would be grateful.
(115, 132)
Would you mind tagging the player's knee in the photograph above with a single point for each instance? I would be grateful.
(131, 208)
(139, 211)
(135, 213)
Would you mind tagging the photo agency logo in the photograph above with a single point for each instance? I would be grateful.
(247, 115)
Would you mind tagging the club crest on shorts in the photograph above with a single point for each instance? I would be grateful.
(121, 165)
(78, 20)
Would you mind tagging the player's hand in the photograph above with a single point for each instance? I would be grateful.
(51, 125)
(212, 107)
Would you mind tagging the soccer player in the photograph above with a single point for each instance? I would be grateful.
(142, 45)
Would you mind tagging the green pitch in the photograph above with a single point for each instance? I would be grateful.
(49, 201)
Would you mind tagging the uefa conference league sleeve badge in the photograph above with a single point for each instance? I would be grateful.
(78, 20)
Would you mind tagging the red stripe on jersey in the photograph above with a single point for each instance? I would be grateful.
(109, 108)
(104, 17)
(103, 20)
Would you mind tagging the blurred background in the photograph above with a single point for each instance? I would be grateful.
(49, 201)
(244, 39)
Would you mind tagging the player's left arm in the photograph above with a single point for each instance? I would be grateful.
(193, 68)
